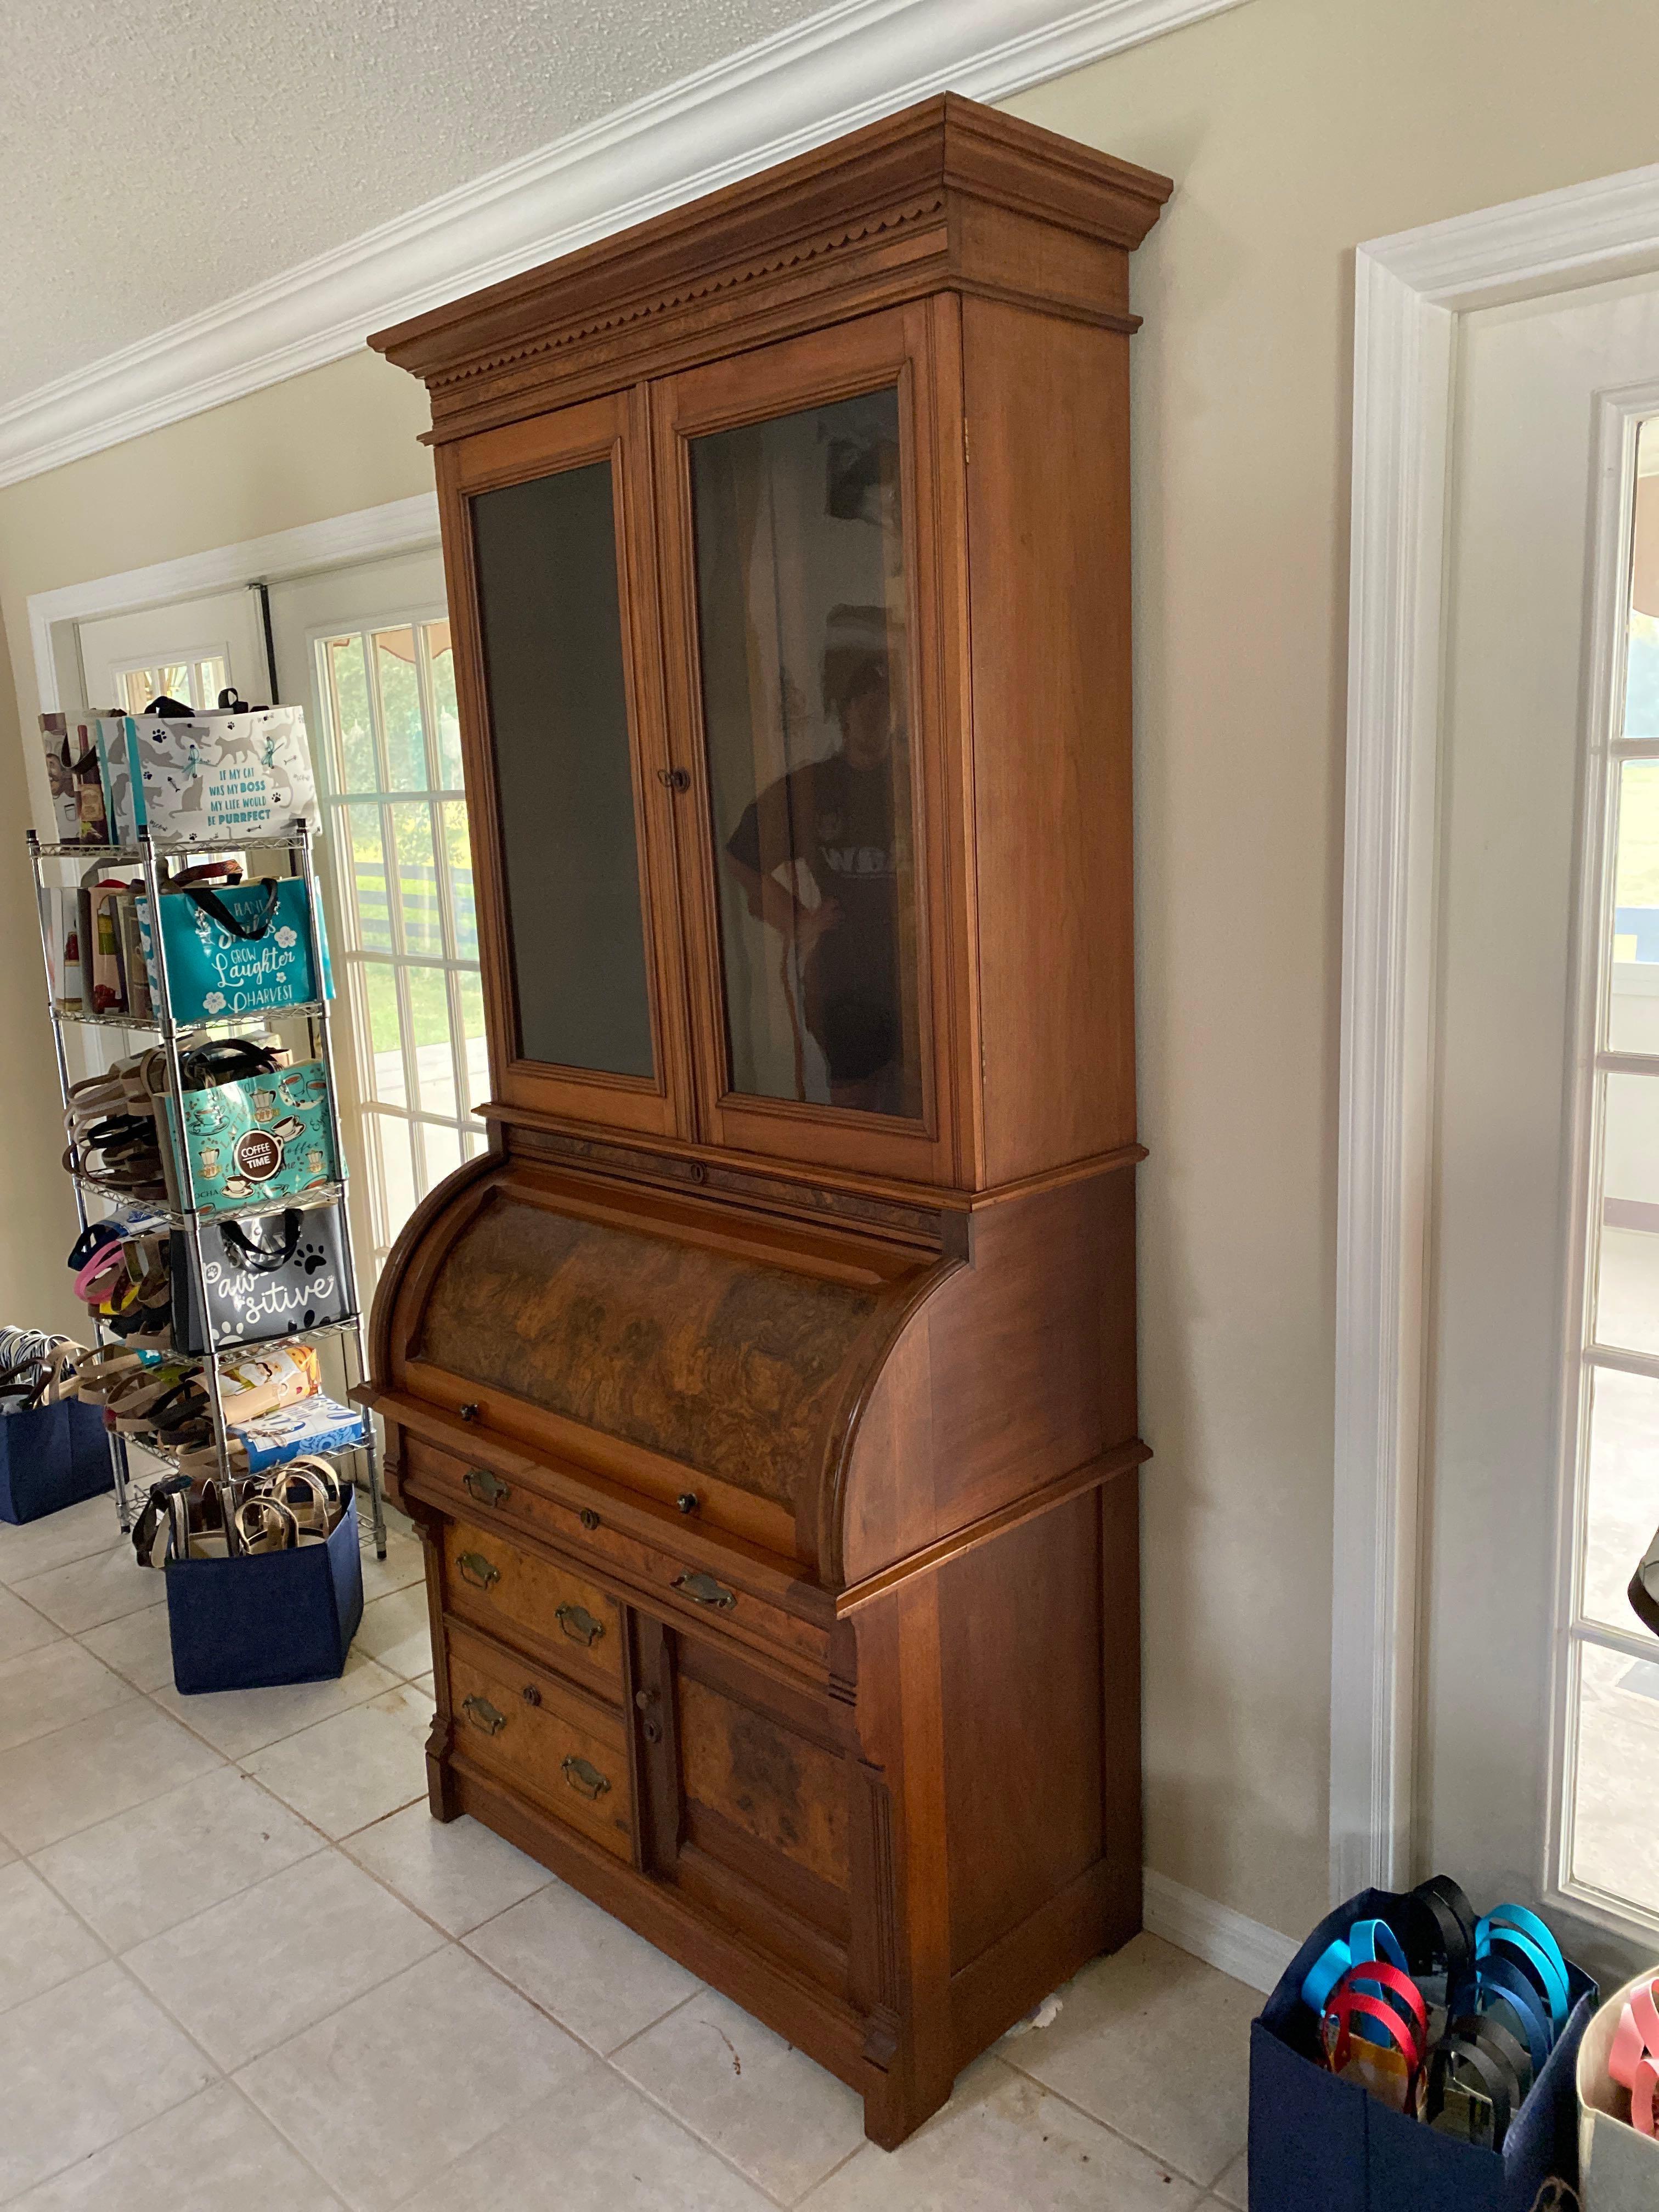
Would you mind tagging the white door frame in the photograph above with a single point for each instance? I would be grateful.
(1408, 290)
(402, 525)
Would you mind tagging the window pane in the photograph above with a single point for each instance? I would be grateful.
(443, 1151)
(1615, 1844)
(559, 710)
(369, 878)
(800, 572)
(418, 879)
(448, 732)
(397, 1178)
(476, 1142)
(400, 710)
(137, 690)
(211, 678)
(386, 1075)
(1627, 1275)
(1633, 1016)
(1621, 1501)
(475, 1049)
(429, 1014)
(348, 676)
(458, 857)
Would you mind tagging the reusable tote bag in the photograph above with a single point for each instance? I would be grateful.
(74, 770)
(271, 1276)
(244, 948)
(222, 779)
(256, 1137)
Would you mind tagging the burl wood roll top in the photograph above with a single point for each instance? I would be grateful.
(800, 1388)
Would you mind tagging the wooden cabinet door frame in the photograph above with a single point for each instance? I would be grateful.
(893, 349)
(614, 429)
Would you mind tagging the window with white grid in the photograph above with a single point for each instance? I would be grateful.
(397, 832)
(197, 682)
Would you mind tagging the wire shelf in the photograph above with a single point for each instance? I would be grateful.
(262, 841)
(309, 1009)
(315, 1194)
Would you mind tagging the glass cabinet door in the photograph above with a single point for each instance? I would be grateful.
(571, 735)
(803, 697)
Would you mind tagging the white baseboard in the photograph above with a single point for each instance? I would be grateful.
(1250, 1953)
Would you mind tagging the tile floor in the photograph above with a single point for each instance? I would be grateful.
(242, 1971)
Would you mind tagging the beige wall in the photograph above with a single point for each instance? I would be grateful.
(1295, 128)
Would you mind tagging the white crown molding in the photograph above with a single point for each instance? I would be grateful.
(855, 62)
(1251, 1953)
(371, 533)
(1409, 290)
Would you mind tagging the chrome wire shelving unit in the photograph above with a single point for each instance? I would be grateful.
(190, 1220)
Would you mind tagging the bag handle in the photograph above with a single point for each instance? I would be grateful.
(171, 709)
(263, 1259)
(209, 903)
(204, 871)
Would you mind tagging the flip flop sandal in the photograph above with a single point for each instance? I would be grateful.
(101, 1371)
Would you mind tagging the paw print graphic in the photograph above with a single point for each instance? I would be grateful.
(214, 1002)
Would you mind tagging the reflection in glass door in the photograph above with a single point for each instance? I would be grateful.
(397, 828)
(1609, 1837)
(801, 591)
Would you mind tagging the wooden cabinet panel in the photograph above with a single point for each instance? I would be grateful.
(802, 480)
(548, 550)
(521, 1723)
(519, 1596)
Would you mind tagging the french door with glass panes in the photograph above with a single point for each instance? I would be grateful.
(1538, 1756)
(372, 648)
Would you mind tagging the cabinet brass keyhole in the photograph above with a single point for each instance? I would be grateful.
(687, 1501)
(589, 1517)
(675, 778)
(531, 1694)
(652, 1731)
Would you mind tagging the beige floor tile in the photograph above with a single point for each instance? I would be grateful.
(396, 1632)
(136, 1646)
(49, 1688)
(237, 1721)
(594, 2145)
(354, 1768)
(214, 2154)
(83, 2065)
(146, 1870)
(88, 1592)
(1233, 2187)
(22, 1628)
(41, 1942)
(1003, 2142)
(403, 1563)
(456, 1872)
(765, 2107)
(1122, 2048)
(427, 1687)
(74, 1534)
(596, 1978)
(417, 2075)
(90, 1771)
(257, 1969)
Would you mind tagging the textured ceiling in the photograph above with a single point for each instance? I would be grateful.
(158, 156)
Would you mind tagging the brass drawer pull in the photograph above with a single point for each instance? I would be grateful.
(482, 1714)
(477, 1570)
(488, 1489)
(703, 1590)
(587, 1781)
(578, 1625)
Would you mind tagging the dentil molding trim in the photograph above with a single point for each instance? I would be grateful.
(852, 63)
(1408, 291)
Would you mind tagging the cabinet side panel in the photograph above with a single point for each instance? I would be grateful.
(1048, 427)
(1021, 1652)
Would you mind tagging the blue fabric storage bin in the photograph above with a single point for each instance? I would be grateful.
(1321, 2145)
(250, 1624)
(51, 1456)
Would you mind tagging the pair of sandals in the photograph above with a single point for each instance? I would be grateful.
(116, 1130)
(186, 1517)
(125, 1279)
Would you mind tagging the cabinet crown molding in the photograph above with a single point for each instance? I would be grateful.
(882, 215)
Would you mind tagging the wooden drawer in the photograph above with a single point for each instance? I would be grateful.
(542, 1736)
(704, 1587)
(526, 1598)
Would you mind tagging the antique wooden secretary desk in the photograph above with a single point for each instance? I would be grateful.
(765, 1396)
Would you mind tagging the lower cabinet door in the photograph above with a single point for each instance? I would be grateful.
(540, 1735)
(746, 1794)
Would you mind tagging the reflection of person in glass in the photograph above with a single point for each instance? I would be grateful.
(837, 816)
